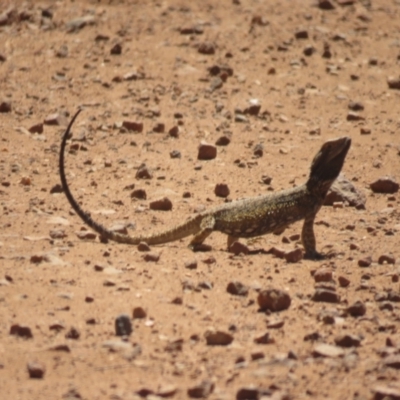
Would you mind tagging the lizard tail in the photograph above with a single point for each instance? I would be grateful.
(183, 230)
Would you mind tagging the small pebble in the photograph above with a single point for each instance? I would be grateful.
(151, 257)
(293, 256)
(365, 131)
(21, 331)
(144, 172)
(325, 295)
(348, 340)
(218, 338)
(206, 151)
(133, 126)
(143, 246)
(55, 119)
(394, 82)
(192, 264)
(237, 288)
(174, 131)
(139, 194)
(201, 390)
(163, 204)
(274, 300)
(36, 370)
(355, 106)
(365, 262)
(5, 106)
(357, 309)
(384, 185)
(386, 258)
(207, 48)
(327, 350)
(221, 190)
(116, 49)
(123, 325)
(175, 154)
(37, 128)
(159, 127)
(73, 333)
(139, 313)
(343, 281)
(323, 274)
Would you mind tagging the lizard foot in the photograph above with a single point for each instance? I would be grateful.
(314, 255)
(200, 247)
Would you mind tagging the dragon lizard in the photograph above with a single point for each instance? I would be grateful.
(245, 218)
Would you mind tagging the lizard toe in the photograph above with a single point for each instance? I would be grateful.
(200, 247)
(315, 256)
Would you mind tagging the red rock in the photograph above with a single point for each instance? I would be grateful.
(159, 127)
(139, 313)
(55, 119)
(37, 128)
(348, 340)
(365, 262)
(201, 390)
(73, 333)
(206, 151)
(393, 82)
(21, 331)
(218, 338)
(36, 370)
(144, 172)
(164, 204)
(343, 281)
(190, 30)
(86, 235)
(139, 194)
(143, 246)
(386, 258)
(116, 49)
(237, 288)
(357, 309)
(5, 106)
(293, 256)
(386, 393)
(274, 300)
(393, 361)
(325, 5)
(207, 48)
(174, 132)
(133, 126)
(323, 275)
(326, 295)
(221, 190)
(384, 185)
(151, 257)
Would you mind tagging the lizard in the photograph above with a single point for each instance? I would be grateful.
(246, 218)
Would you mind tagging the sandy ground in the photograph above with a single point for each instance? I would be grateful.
(187, 71)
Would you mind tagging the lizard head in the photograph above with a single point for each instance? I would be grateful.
(327, 164)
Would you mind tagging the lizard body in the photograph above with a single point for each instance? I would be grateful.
(243, 218)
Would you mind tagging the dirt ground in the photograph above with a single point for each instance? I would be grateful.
(265, 83)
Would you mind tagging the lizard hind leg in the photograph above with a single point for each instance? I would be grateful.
(231, 240)
(206, 228)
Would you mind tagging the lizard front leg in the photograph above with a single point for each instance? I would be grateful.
(206, 228)
(308, 239)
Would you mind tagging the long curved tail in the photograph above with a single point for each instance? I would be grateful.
(178, 232)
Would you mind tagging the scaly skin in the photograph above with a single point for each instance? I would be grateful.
(243, 218)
